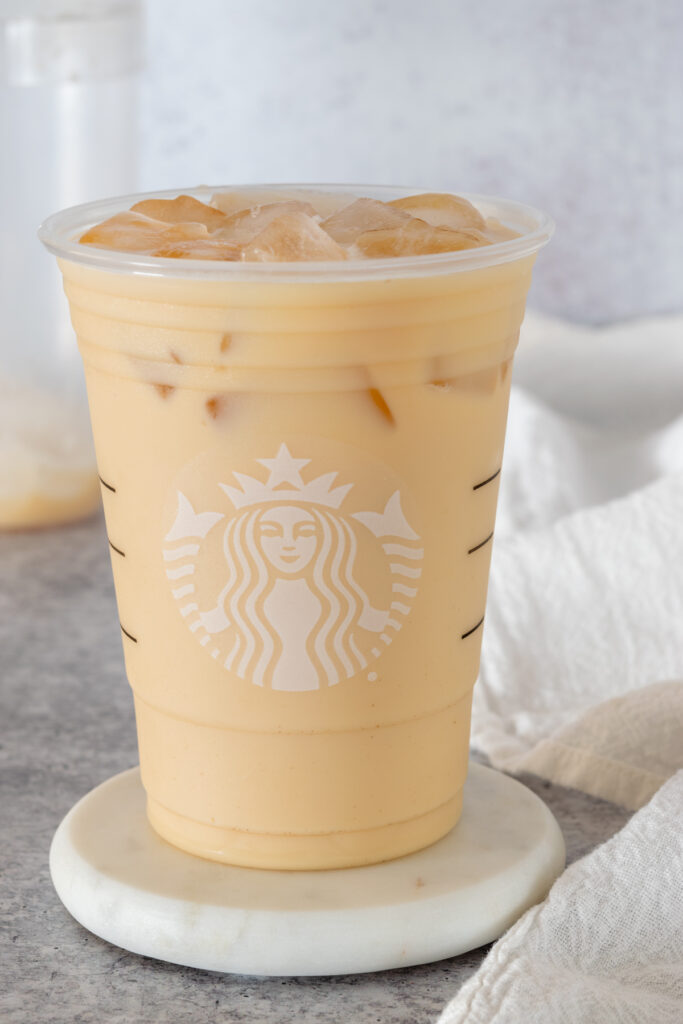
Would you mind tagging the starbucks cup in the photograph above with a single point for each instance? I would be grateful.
(299, 466)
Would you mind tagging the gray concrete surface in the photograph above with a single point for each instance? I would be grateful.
(66, 724)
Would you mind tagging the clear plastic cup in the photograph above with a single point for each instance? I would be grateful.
(300, 466)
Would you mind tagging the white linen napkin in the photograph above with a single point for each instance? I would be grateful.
(582, 668)
(584, 611)
(583, 639)
(606, 947)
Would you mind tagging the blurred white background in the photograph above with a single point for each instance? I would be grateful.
(573, 105)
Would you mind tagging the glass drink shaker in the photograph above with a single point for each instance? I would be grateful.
(69, 72)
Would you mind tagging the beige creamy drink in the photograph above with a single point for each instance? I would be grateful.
(300, 464)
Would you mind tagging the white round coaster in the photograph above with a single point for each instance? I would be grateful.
(125, 884)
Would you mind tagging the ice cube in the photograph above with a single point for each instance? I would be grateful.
(216, 406)
(364, 215)
(292, 237)
(199, 249)
(381, 404)
(134, 232)
(244, 225)
(496, 231)
(441, 210)
(482, 382)
(233, 202)
(182, 209)
(416, 238)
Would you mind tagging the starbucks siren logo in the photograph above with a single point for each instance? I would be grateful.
(292, 613)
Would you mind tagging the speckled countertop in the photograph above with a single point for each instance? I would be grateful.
(67, 724)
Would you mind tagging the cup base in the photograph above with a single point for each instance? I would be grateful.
(117, 877)
(291, 852)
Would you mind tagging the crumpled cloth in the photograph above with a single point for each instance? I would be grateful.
(581, 678)
(582, 655)
(605, 947)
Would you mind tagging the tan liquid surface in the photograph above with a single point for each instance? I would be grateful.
(317, 736)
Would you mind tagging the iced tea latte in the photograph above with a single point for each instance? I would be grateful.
(298, 400)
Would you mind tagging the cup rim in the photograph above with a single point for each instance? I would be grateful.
(60, 231)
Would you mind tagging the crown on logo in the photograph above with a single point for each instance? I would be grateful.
(284, 469)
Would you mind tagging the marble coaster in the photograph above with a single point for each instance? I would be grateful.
(125, 884)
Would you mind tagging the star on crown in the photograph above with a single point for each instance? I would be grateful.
(283, 470)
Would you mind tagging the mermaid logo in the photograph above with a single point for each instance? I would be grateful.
(294, 610)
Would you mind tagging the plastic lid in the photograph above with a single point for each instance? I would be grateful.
(59, 233)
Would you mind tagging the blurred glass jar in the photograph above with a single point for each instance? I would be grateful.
(69, 72)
